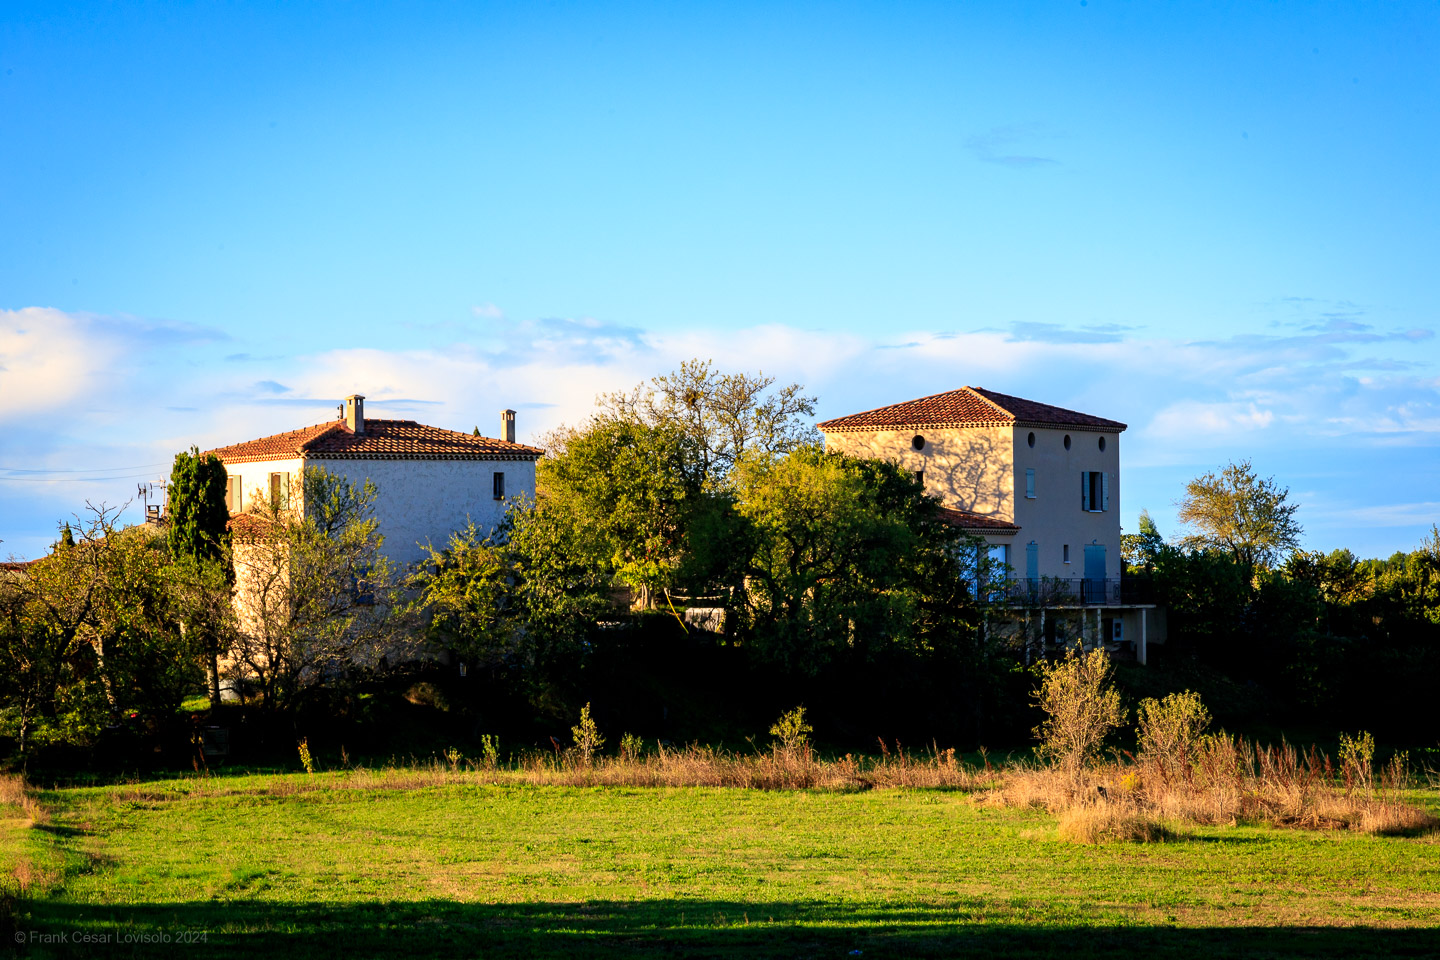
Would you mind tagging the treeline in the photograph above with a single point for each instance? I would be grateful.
(1324, 638)
(693, 563)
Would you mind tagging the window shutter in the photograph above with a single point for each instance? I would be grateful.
(285, 489)
(1084, 490)
(1104, 491)
(1030, 482)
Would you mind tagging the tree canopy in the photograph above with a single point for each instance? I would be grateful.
(1239, 513)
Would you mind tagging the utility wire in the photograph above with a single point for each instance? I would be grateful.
(130, 476)
(134, 466)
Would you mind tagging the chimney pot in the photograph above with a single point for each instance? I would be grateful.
(507, 425)
(355, 413)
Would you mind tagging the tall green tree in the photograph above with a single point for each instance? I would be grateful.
(846, 556)
(726, 416)
(197, 519)
(1236, 511)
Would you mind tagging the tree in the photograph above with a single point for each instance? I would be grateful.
(1241, 514)
(197, 531)
(47, 667)
(1139, 550)
(725, 415)
(631, 490)
(196, 513)
(316, 598)
(467, 589)
(1081, 708)
(845, 555)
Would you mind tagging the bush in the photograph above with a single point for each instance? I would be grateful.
(1081, 708)
(1170, 729)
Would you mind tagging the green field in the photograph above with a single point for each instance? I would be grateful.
(325, 866)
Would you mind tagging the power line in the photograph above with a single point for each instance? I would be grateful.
(130, 476)
(133, 466)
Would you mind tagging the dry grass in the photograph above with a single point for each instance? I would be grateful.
(1106, 821)
(781, 768)
(1225, 781)
(15, 792)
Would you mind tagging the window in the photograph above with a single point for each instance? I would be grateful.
(920, 475)
(1030, 483)
(499, 485)
(1000, 553)
(918, 442)
(280, 489)
(1102, 444)
(1067, 441)
(233, 495)
(1031, 439)
(1094, 491)
(1065, 551)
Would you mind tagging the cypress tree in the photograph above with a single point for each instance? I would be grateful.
(197, 519)
(196, 510)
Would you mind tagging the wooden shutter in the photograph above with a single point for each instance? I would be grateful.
(1030, 482)
(1104, 491)
(1084, 490)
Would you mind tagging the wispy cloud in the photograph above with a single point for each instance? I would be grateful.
(1003, 146)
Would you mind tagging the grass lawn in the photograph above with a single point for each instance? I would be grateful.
(498, 869)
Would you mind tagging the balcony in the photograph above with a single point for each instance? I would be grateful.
(1056, 592)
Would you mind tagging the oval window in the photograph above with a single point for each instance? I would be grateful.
(1102, 444)
(1067, 441)
(918, 442)
(1031, 439)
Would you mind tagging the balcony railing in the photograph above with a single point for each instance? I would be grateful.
(1051, 591)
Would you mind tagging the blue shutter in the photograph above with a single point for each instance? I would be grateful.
(1104, 491)
(1084, 490)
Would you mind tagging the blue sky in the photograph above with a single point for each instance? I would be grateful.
(1215, 222)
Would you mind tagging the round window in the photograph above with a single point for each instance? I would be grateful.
(1067, 441)
(1031, 439)
(918, 442)
(1102, 444)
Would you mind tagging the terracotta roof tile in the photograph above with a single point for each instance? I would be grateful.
(969, 407)
(966, 520)
(382, 440)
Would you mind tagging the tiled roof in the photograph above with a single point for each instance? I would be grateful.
(382, 440)
(969, 407)
(249, 527)
(966, 520)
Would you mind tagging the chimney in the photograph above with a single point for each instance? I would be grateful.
(355, 413)
(507, 425)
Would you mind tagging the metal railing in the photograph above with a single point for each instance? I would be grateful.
(1052, 591)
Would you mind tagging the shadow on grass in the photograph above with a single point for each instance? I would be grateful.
(653, 928)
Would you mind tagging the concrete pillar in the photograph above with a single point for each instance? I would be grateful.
(1140, 651)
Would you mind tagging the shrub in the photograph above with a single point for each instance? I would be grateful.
(489, 751)
(1081, 708)
(1356, 756)
(1170, 729)
(588, 740)
(791, 730)
(631, 747)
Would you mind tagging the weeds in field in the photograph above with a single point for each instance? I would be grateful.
(586, 734)
(489, 751)
(306, 760)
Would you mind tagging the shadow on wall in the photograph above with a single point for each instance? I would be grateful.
(664, 928)
(972, 473)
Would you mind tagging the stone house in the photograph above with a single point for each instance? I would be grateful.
(1039, 484)
(430, 482)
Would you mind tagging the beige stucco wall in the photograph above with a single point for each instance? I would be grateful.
(982, 470)
(417, 501)
(1055, 516)
(967, 469)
